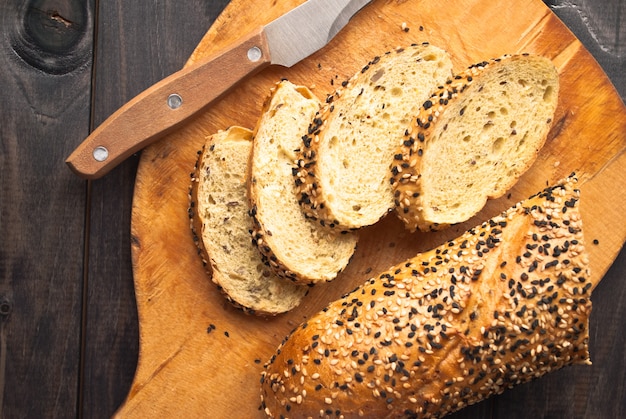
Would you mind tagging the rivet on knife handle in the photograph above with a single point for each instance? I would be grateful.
(162, 107)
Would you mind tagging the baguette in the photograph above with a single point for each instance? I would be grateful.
(505, 303)
(343, 174)
(221, 225)
(292, 245)
(473, 139)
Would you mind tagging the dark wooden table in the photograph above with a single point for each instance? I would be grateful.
(68, 321)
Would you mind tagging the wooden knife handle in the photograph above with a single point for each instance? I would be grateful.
(165, 105)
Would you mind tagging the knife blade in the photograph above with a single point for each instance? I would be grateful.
(164, 106)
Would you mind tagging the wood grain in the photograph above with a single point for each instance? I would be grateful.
(44, 57)
(587, 19)
(185, 363)
(65, 262)
(138, 44)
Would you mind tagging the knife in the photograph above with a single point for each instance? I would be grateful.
(164, 106)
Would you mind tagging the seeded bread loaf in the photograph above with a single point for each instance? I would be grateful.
(503, 304)
(343, 173)
(293, 246)
(473, 139)
(221, 226)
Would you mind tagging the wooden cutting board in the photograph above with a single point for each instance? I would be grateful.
(199, 355)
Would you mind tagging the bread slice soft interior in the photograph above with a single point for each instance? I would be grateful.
(473, 139)
(221, 225)
(343, 174)
(292, 245)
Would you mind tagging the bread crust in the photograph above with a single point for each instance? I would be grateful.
(493, 159)
(505, 303)
(257, 293)
(293, 246)
(364, 120)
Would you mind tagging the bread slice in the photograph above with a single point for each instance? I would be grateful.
(221, 226)
(505, 303)
(343, 175)
(473, 139)
(295, 247)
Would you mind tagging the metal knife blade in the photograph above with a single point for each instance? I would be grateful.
(164, 106)
(307, 28)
